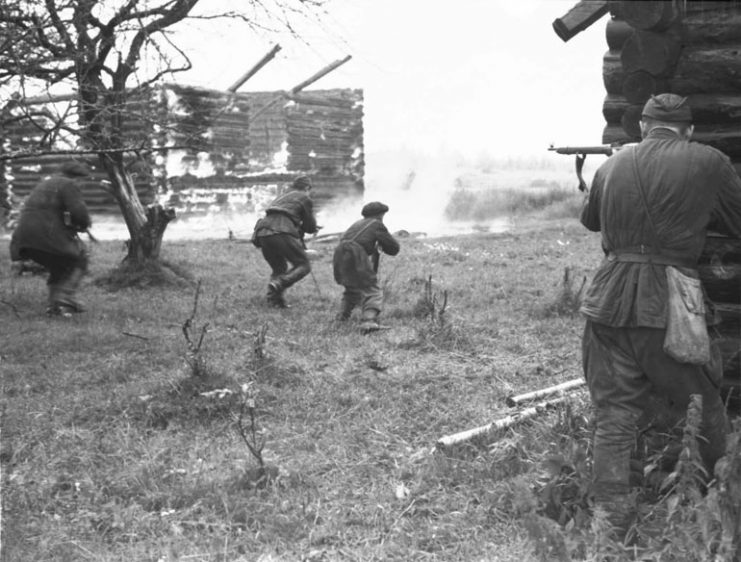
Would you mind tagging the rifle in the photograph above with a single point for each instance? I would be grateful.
(581, 155)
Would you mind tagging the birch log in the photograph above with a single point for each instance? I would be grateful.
(487, 430)
(557, 389)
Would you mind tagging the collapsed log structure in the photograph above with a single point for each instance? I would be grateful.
(691, 48)
(201, 149)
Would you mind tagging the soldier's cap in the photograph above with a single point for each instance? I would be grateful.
(373, 209)
(301, 182)
(75, 169)
(669, 108)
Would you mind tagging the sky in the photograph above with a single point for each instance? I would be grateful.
(470, 76)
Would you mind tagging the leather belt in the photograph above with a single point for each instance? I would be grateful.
(641, 254)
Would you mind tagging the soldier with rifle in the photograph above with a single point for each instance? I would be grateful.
(280, 237)
(52, 217)
(653, 204)
(355, 263)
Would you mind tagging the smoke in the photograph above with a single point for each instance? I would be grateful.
(416, 187)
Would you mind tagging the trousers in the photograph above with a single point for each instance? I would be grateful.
(623, 368)
(65, 274)
(280, 250)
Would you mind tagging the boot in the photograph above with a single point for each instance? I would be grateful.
(369, 322)
(65, 293)
(347, 306)
(275, 294)
(621, 513)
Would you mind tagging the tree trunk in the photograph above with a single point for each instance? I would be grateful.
(146, 226)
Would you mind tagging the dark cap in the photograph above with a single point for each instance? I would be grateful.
(373, 209)
(301, 182)
(75, 169)
(669, 108)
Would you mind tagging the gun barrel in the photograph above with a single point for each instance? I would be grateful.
(603, 149)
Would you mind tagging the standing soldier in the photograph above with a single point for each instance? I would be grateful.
(280, 236)
(653, 204)
(355, 264)
(47, 233)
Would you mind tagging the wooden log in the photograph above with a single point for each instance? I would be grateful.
(639, 85)
(655, 53)
(485, 432)
(613, 108)
(616, 33)
(558, 389)
(707, 69)
(630, 121)
(712, 26)
(726, 138)
(254, 69)
(580, 17)
(648, 15)
(707, 109)
(613, 75)
(720, 269)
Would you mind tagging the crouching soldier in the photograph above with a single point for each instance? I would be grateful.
(355, 264)
(280, 237)
(47, 233)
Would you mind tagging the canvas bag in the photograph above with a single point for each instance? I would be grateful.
(686, 339)
(351, 265)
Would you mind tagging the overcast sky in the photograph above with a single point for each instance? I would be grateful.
(473, 76)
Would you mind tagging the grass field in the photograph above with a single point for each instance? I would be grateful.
(272, 435)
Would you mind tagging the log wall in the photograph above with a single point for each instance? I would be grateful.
(234, 149)
(692, 49)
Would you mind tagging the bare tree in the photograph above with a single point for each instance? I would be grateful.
(104, 54)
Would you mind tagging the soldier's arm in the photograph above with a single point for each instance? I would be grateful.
(726, 215)
(74, 204)
(386, 241)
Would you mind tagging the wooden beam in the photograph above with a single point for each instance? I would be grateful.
(323, 72)
(252, 71)
(580, 17)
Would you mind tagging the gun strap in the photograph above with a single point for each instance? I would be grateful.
(658, 256)
(359, 232)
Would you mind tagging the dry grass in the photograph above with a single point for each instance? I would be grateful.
(113, 449)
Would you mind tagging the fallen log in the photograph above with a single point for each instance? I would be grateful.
(502, 423)
(561, 388)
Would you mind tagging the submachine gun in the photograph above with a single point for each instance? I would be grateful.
(581, 153)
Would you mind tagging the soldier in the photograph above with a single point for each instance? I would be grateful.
(280, 237)
(653, 204)
(355, 264)
(47, 233)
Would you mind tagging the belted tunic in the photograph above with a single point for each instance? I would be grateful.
(690, 188)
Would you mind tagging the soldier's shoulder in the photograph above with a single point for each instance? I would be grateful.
(707, 151)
